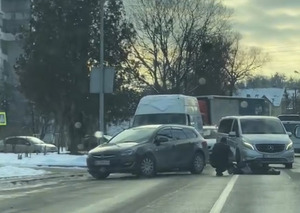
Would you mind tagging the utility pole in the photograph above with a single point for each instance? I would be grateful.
(101, 92)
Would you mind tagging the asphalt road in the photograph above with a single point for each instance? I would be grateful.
(174, 193)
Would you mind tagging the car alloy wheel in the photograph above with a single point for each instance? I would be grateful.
(147, 167)
(100, 175)
(198, 164)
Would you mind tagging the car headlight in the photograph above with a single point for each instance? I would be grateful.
(248, 145)
(289, 146)
(127, 152)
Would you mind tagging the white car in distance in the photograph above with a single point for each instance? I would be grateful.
(210, 135)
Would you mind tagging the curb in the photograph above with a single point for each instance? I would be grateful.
(15, 181)
(61, 166)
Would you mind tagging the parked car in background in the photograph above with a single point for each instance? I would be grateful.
(210, 135)
(27, 144)
(146, 150)
(289, 117)
(1, 145)
(290, 126)
(257, 138)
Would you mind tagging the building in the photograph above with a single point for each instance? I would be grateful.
(13, 15)
(275, 96)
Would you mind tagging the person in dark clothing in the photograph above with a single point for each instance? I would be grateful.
(221, 157)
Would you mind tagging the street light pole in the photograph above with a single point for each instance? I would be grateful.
(101, 92)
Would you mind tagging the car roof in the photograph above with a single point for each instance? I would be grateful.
(157, 126)
(23, 137)
(290, 122)
(210, 127)
(252, 117)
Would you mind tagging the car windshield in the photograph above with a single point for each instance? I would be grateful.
(262, 126)
(137, 135)
(36, 141)
(210, 133)
(170, 118)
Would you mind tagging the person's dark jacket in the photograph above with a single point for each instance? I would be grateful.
(221, 155)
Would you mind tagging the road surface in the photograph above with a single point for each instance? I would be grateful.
(174, 193)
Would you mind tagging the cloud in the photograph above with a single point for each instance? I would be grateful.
(272, 25)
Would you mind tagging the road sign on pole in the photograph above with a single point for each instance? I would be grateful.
(95, 84)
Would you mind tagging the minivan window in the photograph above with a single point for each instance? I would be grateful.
(225, 126)
(169, 118)
(235, 127)
(262, 126)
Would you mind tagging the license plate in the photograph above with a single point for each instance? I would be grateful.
(269, 156)
(102, 163)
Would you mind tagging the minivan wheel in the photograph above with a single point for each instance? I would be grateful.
(147, 167)
(198, 163)
(289, 165)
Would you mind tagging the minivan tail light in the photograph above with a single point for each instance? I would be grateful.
(204, 144)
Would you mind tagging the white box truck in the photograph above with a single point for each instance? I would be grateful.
(168, 109)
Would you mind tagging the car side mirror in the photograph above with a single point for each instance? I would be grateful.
(289, 134)
(27, 144)
(160, 140)
(297, 132)
(232, 134)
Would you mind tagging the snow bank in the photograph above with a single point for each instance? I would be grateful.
(12, 171)
(51, 159)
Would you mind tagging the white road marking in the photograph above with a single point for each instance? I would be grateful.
(219, 204)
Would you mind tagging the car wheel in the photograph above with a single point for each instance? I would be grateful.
(237, 156)
(289, 166)
(198, 163)
(147, 167)
(99, 175)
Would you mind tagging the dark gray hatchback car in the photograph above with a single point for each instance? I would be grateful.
(146, 150)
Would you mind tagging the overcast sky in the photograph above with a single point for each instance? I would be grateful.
(273, 25)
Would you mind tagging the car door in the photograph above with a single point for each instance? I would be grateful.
(24, 146)
(20, 145)
(10, 145)
(183, 147)
(164, 150)
(234, 140)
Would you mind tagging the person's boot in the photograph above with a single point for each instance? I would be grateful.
(219, 174)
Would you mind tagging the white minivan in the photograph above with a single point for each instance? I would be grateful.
(257, 138)
(168, 109)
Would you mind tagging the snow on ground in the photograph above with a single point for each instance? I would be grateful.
(11, 166)
(51, 159)
(13, 171)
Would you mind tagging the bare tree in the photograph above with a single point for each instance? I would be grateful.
(169, 33)
(241, 62)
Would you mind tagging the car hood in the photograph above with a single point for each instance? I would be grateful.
(112, 147)
(267, 138)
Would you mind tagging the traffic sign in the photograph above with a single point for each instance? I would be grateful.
(2, 119)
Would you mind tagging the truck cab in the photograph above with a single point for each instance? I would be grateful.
(168, 109)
